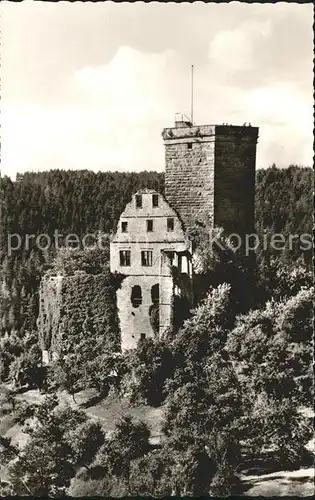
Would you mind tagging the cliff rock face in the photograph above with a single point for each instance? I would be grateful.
(72, 307)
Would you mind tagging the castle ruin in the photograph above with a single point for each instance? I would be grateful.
(209, 179)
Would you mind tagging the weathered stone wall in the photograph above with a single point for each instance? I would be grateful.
(189, 172)
(166, 303)
(135, 319)
(234, 181)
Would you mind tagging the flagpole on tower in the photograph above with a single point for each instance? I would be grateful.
(192, 95)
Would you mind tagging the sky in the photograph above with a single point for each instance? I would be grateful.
(92, 85)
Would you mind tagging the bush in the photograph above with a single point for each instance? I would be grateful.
(205, 332)
(225, 482)
(276, 429)
(130, 441)
(151, 364)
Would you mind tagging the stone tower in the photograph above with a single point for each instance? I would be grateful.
(210, 174)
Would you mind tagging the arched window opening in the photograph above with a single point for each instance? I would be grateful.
(136, 296)
(155, 294)
(154, 309)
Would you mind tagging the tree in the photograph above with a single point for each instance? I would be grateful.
(7, 450)
(225, 482)
(61, 440)
(205, 332)
(284, 205)
(297, 317)
(271, 347)
(86, 439)
(277, 430)
(203, 402)
(27, 369)
(146, 474)
(44, 467)
(151, 365)
(130, 441)
(203, 412)
(167, 472)
(271, 352)
(10, 349)
(67, 374)
(85, 486)
(280, 280)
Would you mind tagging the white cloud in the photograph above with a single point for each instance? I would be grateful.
(110, 116)
(281, 104)
(113, 118)
(286, 116)
(133, 84)
(234, 49)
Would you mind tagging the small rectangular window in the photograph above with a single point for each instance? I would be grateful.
(142, 336)
(124, 227)
(189, 145)
(155, 200)
(146, 258)
(170, 224)
(138, 201)
(124, 256)
(149, 225)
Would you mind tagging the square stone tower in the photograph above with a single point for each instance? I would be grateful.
(210, 174)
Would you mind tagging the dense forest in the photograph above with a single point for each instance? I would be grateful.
(231, 376)
(82, 202)
(42, 203)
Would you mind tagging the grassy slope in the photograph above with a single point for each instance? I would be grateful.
(108, 411)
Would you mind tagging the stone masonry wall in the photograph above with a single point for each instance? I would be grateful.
(135, 318)
(210, 175)
(189, 175)
(135, 321)
(234, 181)
(166, 307)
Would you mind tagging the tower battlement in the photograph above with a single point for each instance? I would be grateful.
(196, 132)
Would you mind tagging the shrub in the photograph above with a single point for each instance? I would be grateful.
(151, 365)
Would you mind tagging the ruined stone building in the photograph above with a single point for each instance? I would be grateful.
(76, 305)
(209, 179)
(149, 240)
